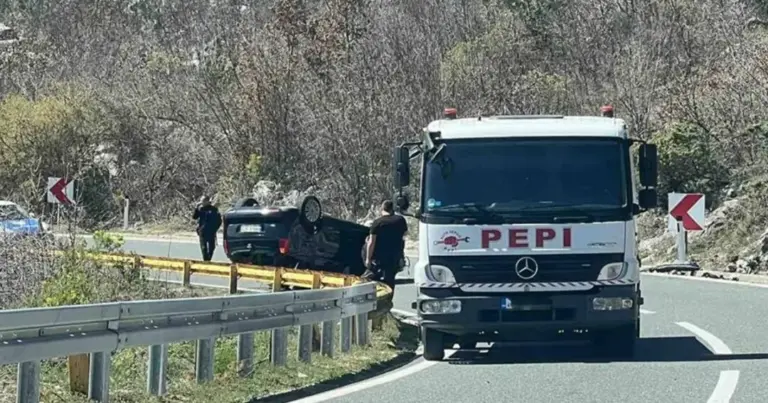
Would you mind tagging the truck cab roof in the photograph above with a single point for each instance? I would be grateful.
(528, 126)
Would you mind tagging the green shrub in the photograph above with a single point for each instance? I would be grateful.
(688, 162)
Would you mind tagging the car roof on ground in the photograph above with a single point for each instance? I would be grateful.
(265, 210)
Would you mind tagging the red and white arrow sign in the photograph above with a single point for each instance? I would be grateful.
(689, 207)
(61, 191)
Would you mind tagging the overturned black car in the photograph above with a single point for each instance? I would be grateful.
(287, 236)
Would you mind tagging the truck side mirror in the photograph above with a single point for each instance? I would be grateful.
(402, 172)
(649, 165)
(648, 198)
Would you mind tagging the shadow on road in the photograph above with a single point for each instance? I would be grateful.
(648, 349)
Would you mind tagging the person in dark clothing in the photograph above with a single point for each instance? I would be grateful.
(386, 246)
(208, 223)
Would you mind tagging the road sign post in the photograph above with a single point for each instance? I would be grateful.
(682, 242)
(125, 213)
(61, 191)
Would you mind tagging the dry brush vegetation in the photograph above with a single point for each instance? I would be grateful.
(160, 101)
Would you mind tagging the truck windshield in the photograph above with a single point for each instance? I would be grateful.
(514, 175)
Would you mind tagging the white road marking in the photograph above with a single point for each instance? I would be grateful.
(647, 312)
(715, 344)
(726, 386)
(380, 380)
(728, 380)
(710, 280)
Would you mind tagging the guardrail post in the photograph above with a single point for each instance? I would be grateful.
(244, 349)
(78, 367)
(98, 377)
(204, 360)
(346, 334)
(279, 347)
(305, 343)
(233, 279)
(327, 338)
(278, 352)
(187, 274)
(317, 283)
(157, 366)
(28, 382)
(361, 322)
(245, 354)
(346, 326)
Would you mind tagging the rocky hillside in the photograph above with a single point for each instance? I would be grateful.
(735, 237)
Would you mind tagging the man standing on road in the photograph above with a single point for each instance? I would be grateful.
(386, 245)
(208, 223)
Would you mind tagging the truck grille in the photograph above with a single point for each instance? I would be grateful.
(501, 269)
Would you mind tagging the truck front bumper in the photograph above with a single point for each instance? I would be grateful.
(529, 316)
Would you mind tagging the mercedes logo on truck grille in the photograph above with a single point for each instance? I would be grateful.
(526, 268)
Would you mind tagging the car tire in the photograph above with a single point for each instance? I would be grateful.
(305, 218)
(433, 342)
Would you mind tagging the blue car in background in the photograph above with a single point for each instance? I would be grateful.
(15, 221)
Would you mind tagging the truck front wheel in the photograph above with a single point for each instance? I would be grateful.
(433, 343)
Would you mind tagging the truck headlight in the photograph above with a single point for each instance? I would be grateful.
(441, 306)
(612, 271)
(612, 304)
(439, 274)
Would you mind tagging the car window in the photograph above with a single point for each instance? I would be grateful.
(12, 212)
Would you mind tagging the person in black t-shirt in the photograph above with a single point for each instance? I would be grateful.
(385, 246)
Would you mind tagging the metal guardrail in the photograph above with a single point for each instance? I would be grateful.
(28, 336)
(298, 278)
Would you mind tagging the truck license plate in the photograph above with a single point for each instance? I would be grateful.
(251, 228)
(524, 305)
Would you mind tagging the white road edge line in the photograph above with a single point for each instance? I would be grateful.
(380, 380)
(708, 280)
(647, 312)
(728, 380)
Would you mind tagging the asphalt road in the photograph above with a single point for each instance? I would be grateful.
(702, 341)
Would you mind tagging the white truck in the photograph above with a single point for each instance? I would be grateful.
(527, 230)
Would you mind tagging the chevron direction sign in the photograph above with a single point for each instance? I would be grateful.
(689, 207)
(61, 191)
